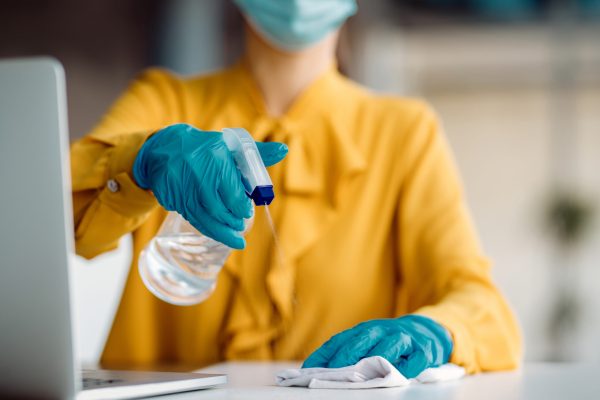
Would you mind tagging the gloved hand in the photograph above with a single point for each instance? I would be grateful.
(192, 172)
(411, 343)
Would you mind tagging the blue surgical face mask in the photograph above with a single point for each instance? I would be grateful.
(293, 25)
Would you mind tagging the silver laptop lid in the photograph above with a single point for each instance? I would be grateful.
(36, 337)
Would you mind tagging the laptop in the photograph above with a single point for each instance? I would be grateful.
(37, 351)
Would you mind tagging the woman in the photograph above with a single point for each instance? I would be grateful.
(369, 211)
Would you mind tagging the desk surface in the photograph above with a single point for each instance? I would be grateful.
(255, 380)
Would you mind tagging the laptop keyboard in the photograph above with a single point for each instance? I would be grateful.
(89, 383)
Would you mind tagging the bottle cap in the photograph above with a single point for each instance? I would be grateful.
(255, 177)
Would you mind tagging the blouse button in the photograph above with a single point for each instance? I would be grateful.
(112, 185)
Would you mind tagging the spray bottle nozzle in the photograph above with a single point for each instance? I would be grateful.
(257, 181)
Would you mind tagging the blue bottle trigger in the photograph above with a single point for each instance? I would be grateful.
(255, 177)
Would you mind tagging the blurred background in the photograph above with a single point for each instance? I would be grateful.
(515, 82)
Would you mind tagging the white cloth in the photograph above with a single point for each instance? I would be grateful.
(371, 372)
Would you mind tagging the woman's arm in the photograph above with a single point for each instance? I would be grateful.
(107, 202)
(443, 273)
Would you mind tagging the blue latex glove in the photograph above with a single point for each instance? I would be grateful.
(192, 172)
(411, 343)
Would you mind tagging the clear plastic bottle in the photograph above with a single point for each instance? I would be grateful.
(180, 265)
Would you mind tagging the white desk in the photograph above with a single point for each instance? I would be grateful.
(255, 381)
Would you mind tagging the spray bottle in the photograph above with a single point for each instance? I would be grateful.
(180, 265)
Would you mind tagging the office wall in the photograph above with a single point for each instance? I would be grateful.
(102, 45)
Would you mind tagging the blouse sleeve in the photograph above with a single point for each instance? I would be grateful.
(107, 202)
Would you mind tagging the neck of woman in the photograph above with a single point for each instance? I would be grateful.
(282, 77)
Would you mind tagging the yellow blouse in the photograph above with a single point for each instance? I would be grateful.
(368, 208)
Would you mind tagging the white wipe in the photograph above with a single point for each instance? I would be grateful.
(372, 372)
